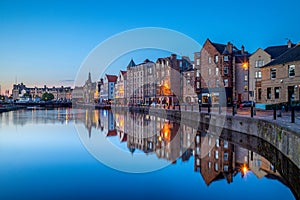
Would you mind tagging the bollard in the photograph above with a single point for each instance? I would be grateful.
(274, 113)
(252, 111)
(208, 108)
(293, 114)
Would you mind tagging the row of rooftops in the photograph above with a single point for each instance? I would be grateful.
(279, 55)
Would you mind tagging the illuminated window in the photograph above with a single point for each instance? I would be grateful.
(209, 60)
(217, 155)
(216, 166)
(217, 71)
(216, 59)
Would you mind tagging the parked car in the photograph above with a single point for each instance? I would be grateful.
(247, 103)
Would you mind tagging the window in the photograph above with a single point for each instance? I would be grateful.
(269, 95)
(217, 142)
(291, 70)
(225, 168)
(198, 85)
(245, 87)
(246, 77)
(225, 70)
(209, 71)
(198, 73)
(225, 58)
(276, 92)
(217, 83)
(225, 82)
(225, 156)
(216, 59)
(198, 61)
(209, 165)
(217, 71)
(217, 155)
(273, 73)
(225, 144)
(216, 166)
(259, 63)
(259, 93)
(209, 60)
(258, 74)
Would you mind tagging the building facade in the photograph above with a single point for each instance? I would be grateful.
(120, 89)
(257, 60)
(281, 78)
(220, 75)
(107, 92)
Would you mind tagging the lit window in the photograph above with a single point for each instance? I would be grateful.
(217, 142)
(273, 73)
(291, 70)
(198, 61)
(246, 77)
(217, 71)
(258, 74)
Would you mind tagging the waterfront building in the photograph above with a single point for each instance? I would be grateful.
(221, 72)
(188, 86)
(107, 92)
(140, 83)
(20, 91)
(257, 60)
(169, 79)
(120, 89)
(281, 78)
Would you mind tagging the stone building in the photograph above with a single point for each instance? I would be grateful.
(220, 73)
(281, 78)
(120, 89)
(140, 84)
(257, 60)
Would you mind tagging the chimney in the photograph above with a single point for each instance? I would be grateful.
(243, 50)
(289, 44)
(229, 47)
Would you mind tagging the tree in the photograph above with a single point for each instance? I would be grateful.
(47, 96)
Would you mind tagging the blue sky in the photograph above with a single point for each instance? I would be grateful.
(45, 42)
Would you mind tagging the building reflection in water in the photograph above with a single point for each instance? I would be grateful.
(215, 157)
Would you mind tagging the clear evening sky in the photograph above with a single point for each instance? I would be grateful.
(45, 42)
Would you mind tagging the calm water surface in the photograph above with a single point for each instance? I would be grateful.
(84, 154)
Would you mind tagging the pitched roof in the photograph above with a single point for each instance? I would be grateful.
(220, 47)
(123, 72)
(276, 51)
(131, 63)
(111, 78)
(291, 55)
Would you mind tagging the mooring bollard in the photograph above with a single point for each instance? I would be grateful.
(293, 114)
(274, 113)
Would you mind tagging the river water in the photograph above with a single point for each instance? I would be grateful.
(97, 154)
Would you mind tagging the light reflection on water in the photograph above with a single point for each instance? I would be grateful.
(41, 155)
